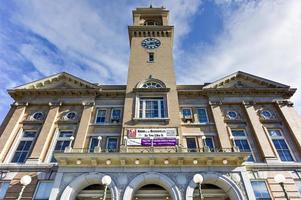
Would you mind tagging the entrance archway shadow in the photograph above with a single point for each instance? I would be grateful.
(222, 181)
(152, 178)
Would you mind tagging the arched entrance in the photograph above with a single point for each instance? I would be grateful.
(151, 192)
(141, 185)
(210, 192)
(87, 183)
(220, 183)
(93, 192)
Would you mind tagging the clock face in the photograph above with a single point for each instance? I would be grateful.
(151, 43)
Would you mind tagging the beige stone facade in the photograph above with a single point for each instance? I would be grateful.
(151, 136)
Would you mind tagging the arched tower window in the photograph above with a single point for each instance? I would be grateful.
(151, 83)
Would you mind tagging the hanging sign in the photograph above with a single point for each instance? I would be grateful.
(152, 133)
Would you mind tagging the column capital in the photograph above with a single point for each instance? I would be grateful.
(215, 103)
(91, 103)
(248, 103)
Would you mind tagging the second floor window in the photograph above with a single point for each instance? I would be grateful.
(210, 143)
(100, 116)
(63, 141)
(202, 115)
(93, 143)
(241, 141)
(112, 143)
(116, 115)
(24, 147)
(152, 108)
(191, 144)
(260, 190)
(187, 113)
(280, 145)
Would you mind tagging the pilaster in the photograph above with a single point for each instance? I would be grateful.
(220, 126)
(10, 131)
(81, 135)
(261, 135)
(44, 138)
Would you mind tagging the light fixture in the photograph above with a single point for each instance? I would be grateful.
(72, 138)
(106, 180)
(279, 178)
(25, 180)
(137, 161)
(99, 138)
(78, 161)
(108, 162)
(225, 161)
(231, 137)
(203, 137)
(195, 161)
(166, 162)
(198, 179)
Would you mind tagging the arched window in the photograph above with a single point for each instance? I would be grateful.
(152, 84)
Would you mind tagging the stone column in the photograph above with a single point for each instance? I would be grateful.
(43, 141)
(81, 135)
(261, 135)
(221, 126)
(10, 131)
(292, 119)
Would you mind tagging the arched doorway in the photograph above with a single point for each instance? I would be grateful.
(93, 192)
(210, 192)
(84, 183)
(150, 181)
(218, 183)
(152, 192)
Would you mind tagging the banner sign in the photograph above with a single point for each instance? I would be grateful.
(149, 133)
(154, 142)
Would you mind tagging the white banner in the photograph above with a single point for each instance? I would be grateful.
(148, 133)
(133, 142)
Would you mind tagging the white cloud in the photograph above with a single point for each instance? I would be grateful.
(261, 37)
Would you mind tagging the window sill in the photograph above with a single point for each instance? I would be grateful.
(197, 124)
(152, 119)
(105, 124)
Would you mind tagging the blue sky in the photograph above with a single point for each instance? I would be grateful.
(89, 39)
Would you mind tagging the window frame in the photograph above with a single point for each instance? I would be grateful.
(90, 143)
(150, 98)
(191, 114)
(20, 139)
(266, 185)
(61, 139)
(197, 112)
(105, 115)
(245, 137)
(107, 143)
(278, 138)
(212, 139)
(196, 144)
(111, 115)
(38, 185)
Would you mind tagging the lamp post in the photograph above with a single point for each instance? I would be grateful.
(198, 179)
(99, 138)
(125, 143)
(106, 180)
(279, 178)
(25, 180)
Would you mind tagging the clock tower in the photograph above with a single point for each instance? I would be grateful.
(151, 96)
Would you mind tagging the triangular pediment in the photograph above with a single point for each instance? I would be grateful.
(58, 81)
(244, 80)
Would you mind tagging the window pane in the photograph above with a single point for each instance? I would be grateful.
(112, 144)
(243, 146)
(191, 144)
(238, 133)
(101, 116)
(209, 142)
(282, 149)
(22, 151)
(202, 115)
(43, 190)
(260, 190)
(186, 112)
(275, 133)
(298, 183)
(93, 144)
(3, 189)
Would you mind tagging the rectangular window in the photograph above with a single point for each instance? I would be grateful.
(151, 57)
(62, 143)
(202, 115)
(280, 145)
(187, 113)
(241, 141)
(3, 189)
(24, 147)
(93, 143)
(150, 108)
(43, 190)
(191, 144)
(210, 143)
(115, 115)
(100, 116)
(260, 190)
(112, 143)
